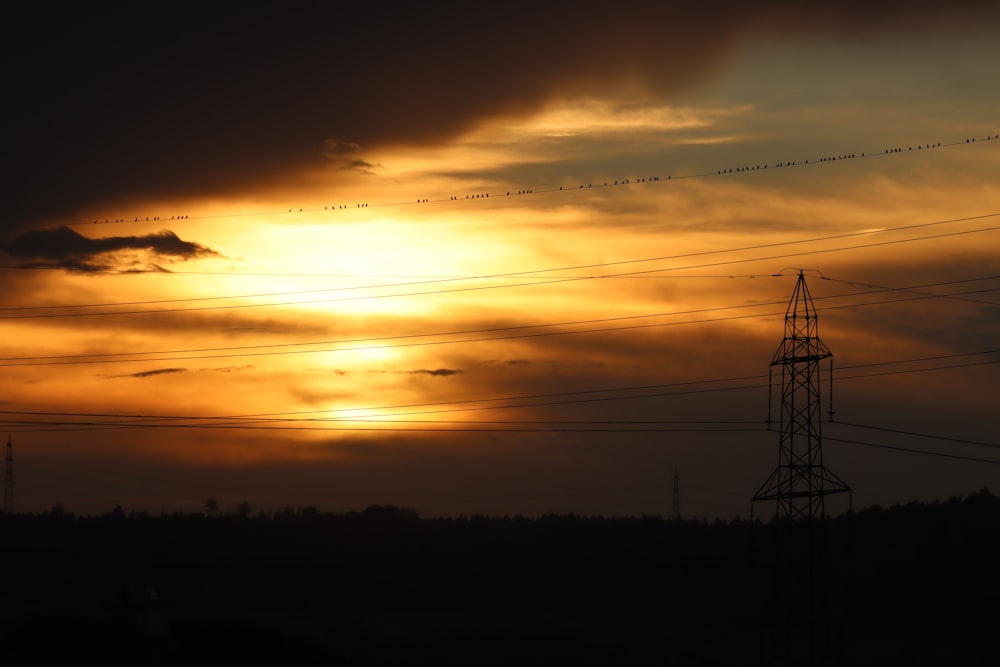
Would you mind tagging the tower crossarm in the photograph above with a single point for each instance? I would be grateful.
(800, 481)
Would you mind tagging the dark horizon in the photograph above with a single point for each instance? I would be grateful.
(901, 585)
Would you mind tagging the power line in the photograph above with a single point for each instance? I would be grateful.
(919, 370)
(534, 283)
(549, 395)
(915, 289)
(319, 291)
(665, 394)
(380, 338)
(380, 347)
(451, 428)
(689, 391)
(910, 450)
(962, 441)
(242, 351)
(148, 421)
(525, 401)
(360, 203)
(921, 297)
(516, 274)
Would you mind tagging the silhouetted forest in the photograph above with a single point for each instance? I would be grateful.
(913, 584)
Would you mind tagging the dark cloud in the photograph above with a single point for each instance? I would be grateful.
(438, 372)
(65, 248)
(346, 156)
(117, 102)
(170, 371)
(159, 371)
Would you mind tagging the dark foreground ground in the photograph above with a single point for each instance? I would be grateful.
(910, 585)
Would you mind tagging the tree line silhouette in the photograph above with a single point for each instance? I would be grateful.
(899, 585)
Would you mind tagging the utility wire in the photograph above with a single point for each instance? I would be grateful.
(506, 286)
(529, 397)
(590, 392)
(386, 338)
(910, 450)
(520, 274)
(242, 351)
(523, 401)
(977, 443)
(917, 289)
(88, 426)
(360, 203)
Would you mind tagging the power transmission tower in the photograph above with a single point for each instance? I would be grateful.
(800, 482)
(8, 479)
(801, 603)
(677, 496)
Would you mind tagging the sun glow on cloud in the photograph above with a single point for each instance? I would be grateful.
(595, 116)
(547, 135)
(383, 276)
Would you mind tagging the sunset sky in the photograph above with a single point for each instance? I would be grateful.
(510, 259)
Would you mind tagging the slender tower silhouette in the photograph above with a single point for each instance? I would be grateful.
(677, 496)
(8, 478)
(800, 482)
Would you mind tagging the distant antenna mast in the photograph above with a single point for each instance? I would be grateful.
(800, 482)
(8, 478)
(677, 496)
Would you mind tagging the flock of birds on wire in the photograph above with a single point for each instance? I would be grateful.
(606, 184)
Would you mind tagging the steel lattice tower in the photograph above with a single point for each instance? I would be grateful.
(8, 479)
(800, 482)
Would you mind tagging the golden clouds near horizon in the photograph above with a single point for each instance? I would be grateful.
(438, 319)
